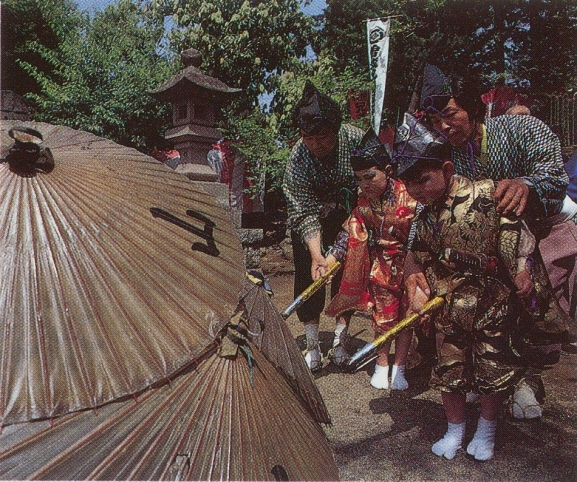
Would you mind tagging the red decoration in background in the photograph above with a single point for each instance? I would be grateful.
(500, 99)
(165, 156)
(358, 103)
(228, 155)
(387, 137)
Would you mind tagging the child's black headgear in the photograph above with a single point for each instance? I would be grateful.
(369, 153)
(415, 143)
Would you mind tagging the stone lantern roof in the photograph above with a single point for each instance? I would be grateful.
(191, 81)
(14, 106)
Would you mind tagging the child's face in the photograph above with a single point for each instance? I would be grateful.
(372, 182)
(430, 185)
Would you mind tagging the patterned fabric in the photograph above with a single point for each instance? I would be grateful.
(375, 249)
(314, 187)
(520, 146)
(476, 322)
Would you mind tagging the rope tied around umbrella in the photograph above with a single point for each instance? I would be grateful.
(234, 337)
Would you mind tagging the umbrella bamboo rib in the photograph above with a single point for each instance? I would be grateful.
(206, 262)
(211, 418)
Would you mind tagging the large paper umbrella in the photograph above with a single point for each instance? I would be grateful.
(273, 337)
(223, 419)
(132, 345)
(115, 271)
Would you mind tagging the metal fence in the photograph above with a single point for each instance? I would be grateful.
(560, 113)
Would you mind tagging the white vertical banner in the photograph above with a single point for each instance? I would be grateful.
(378, 44)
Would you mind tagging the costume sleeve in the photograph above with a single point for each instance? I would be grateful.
(413, 228)
(514, 245)
(303, 206)
(353, 227)
(417, 244)
(545, 172)
(339, 249)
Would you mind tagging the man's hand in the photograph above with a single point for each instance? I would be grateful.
(511, 196)
(319, 267)
(319, 264)
(524, 284)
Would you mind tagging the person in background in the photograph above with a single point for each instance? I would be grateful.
(372, 247)
(571, 168)
(319, 188)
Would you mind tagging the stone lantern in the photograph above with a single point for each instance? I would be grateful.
(195, 99)
(14, 106)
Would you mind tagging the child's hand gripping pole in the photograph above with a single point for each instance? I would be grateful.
(311, 290)
(365, 354)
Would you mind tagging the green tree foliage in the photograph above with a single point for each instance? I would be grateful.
(245, 43)
(530, 41)
(98, 77)
(93, 73)
(254, 135)
(545, 45)
(321, 72)
(27, 27)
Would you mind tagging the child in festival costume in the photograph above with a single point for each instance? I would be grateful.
(372, 246)
(478, 261)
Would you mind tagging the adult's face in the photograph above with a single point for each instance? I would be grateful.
(454, 123)
(321, 143)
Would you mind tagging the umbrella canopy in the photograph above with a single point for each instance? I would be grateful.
(122, 284)
(270, 333)
(220, 420)
(116, 272)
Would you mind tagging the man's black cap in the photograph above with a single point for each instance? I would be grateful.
(316, 111)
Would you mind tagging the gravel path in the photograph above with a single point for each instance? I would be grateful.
(379, 435)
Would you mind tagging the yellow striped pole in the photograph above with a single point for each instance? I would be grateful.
(363, 356)
(311, 290)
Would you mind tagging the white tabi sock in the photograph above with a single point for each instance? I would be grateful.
(398, 380)
(380, 378)
(313, 356)
(525, 405)
(482, 446)
(447, 447)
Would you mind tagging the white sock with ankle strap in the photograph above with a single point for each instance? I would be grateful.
(312, 335)
(341, 331)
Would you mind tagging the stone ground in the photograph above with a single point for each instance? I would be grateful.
(379, 435)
